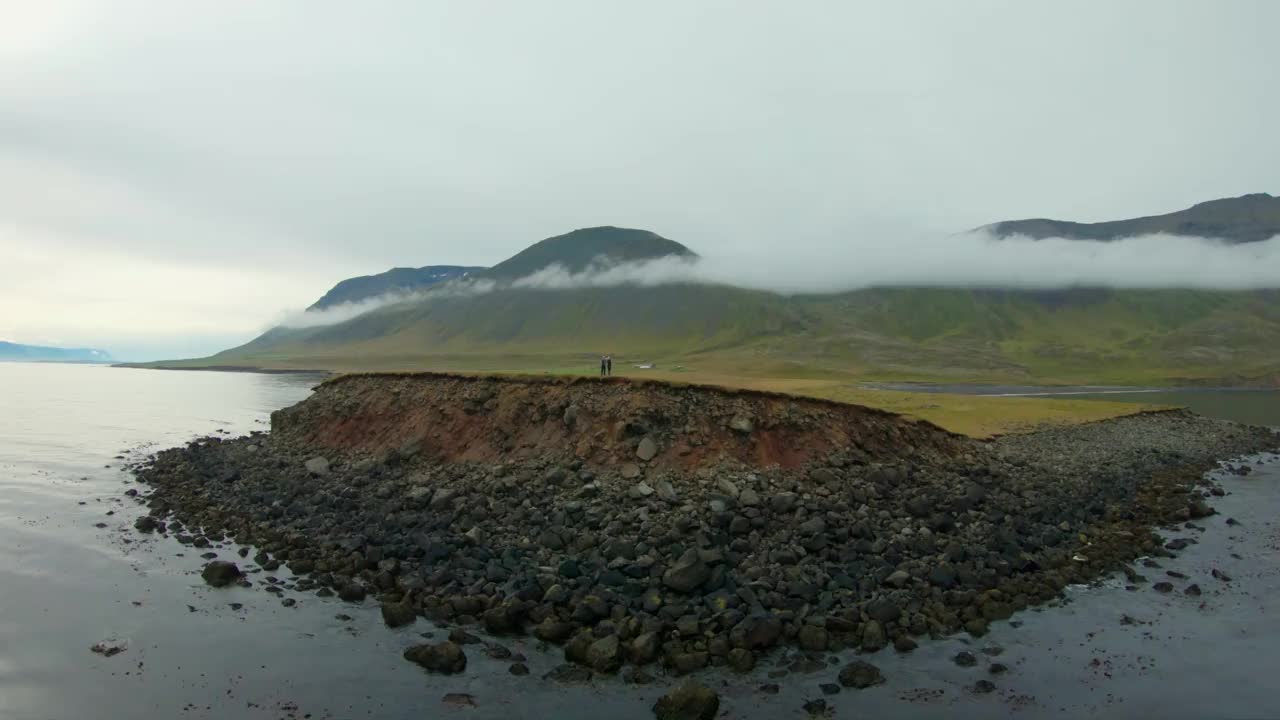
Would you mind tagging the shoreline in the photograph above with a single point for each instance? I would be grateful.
(634, 593)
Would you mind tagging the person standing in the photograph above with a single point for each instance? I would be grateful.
(603, 364)
(608, 364)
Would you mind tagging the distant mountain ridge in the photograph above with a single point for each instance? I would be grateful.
(393, 280)
(15, 352)
(1248, 218)
(1064, 335)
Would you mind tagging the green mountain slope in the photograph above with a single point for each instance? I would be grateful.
(1248, 218)
(1074, 335)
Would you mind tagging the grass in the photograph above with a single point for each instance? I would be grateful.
(972, 415)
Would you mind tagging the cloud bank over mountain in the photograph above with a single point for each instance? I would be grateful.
(975, 259)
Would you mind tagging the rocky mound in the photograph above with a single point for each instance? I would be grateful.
(601, 423)
(642, 522)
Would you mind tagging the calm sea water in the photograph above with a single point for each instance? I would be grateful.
(66, 584)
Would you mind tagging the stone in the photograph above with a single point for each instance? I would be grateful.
(817, 708)
(944, 576)
(812, 637)
(873, 636)
(444, 657)
(1193, 590)
(727, 488)
(898, 579)
(146, 524)
(749, 498)
(646, 449)
(604, 655)
(688, 573)
(552, 630)
(741, 660)
(518, 669)
(904, 644)
(829, 688)
(568, 673)
(221, 573)
(982, 687)
(860, 674)
(630, 471)
(317, 466)
(667, 492)
(353, 592)
(398, 614)
(964, 658)
(685, 663)
(997, 668)
(644, 648)
(690, 701)
(1163, 587)
(883, 610)
(742, 424)
(640, 490)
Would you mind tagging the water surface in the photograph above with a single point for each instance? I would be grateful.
(66, 584)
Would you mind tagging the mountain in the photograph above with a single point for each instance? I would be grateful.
(577, 250)
(13, 352)
(1244, 219)
(393, 280)
(1075, 335)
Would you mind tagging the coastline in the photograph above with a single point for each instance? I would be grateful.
(798, 514)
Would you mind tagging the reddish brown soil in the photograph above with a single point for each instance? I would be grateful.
(455, 418)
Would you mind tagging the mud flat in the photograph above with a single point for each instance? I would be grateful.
(658, 529)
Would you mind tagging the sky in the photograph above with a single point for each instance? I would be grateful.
(175, 176)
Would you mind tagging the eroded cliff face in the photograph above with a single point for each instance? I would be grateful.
(459, 418)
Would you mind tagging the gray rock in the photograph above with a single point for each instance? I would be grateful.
(741, 424)
(667, 492)
(727, 486)
(690, 701)
(646, 449)
(445, 657)
(630, 471)
(898, 579)
(221, 573)
(688, 573)
(604, 655)
(873, 637)
(317, 466)
(860, 674)
(749, 498)
(398, 614)
(883, 609)
(640, 490)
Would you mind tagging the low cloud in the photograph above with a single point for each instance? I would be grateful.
(925, 260)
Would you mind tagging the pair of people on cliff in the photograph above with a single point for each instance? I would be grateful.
(606, 365)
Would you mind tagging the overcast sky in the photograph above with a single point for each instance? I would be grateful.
(174, 175)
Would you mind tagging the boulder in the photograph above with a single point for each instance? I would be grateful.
(604, 655)
(688, 573)
(690, 701)
(742, 424)
(398, 614)
(221, 573)
(445, 657)
(646, 449)
(317, 466)
(860, 674)
(146, 524)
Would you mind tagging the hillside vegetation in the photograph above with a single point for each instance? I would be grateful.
(1065, 336)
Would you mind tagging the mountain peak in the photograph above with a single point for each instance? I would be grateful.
(1248, 218)
(577, 250)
